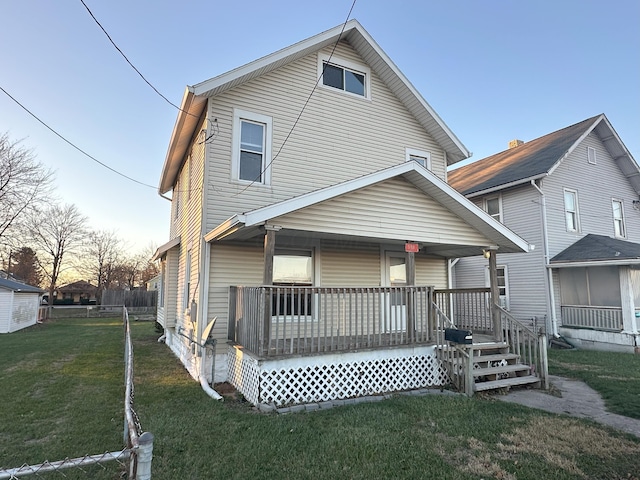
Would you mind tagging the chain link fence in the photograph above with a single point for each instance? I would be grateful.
(134, 460)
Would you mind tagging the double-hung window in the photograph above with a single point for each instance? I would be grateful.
(292, 268)
(618, 218)
(493, 206)
(503, 285)
(572, 217)
(251, 147)
(344, 75)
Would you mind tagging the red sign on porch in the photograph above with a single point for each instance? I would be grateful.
(411, 247)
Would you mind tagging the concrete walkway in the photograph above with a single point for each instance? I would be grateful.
(577, 400)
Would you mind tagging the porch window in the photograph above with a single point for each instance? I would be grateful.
(292, 269)
(571, 210)
(590, 286)
(251, 147)
(493, 206)
(618, 219)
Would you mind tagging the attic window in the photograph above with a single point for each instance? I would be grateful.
(349, 77)
(591, 155)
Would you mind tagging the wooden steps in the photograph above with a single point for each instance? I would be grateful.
(495, 367)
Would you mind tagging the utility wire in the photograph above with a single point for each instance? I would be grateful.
(74, 145)
(131, 64)
(335, 45)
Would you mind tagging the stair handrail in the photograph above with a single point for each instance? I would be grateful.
(531, 347)
(455, 359)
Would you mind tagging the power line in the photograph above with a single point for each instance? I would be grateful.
(335, 45)
(131, 64)
(74, 145)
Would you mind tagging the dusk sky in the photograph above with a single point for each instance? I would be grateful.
(493, 70)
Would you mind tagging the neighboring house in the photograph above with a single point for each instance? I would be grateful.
(312, 220)
(154, 283)
(574, 194)
(77, 293)
(19, 305)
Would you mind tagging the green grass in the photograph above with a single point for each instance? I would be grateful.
(616, 376)
(62, 396)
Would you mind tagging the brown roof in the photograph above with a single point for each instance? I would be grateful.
(78, 287)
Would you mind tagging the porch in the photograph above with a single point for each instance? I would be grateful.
(293, 345)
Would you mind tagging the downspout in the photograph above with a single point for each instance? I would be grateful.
(549, 272)
(451, 263)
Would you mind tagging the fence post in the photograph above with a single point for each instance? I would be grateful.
(144, 456)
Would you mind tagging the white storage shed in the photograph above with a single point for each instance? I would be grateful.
(19, 305)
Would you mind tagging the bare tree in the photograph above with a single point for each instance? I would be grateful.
(103, 257)
(25, 183)
(57, 232)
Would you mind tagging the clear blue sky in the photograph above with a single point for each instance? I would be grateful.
(494, 70)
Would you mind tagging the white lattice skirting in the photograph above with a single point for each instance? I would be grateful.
(300, 380)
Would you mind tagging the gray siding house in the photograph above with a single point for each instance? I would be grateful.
(311, 223)
(574, 194)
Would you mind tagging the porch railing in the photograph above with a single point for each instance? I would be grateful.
(598, 318)
(279, 320)
(468, 308)
(457, 360)
(530, 346)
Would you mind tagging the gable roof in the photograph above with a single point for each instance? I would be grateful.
(195, 97)
(7, 284)
(81, 286)
(538, 158)
(600, 250)
(248, 224)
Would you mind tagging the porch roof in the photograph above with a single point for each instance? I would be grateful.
(487, 232)
(162, 249)
(598, 250)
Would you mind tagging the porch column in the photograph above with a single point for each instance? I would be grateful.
(495, 294)
(267, 279)
(411, 282)
(629, 320)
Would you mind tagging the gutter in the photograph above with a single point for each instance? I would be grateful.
(549, 277)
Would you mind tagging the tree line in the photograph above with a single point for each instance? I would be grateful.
(44, 241)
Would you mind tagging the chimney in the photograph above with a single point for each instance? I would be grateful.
(515, 143)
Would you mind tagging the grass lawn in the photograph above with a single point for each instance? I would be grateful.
(62, 396)
(616, 376)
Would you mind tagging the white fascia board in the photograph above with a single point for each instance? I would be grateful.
(498, 188)
(315, 42)
(473, 209)
(225, 228)
(595, 263)
(576, 143)
(162, 249)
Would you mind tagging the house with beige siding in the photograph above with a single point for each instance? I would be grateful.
(312, 224)
(574, 194)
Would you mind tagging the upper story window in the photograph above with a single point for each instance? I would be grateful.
(251, 155)
(423, 158)
(572, 216)
(493, 206)
(591, 155)
(344, 75)
(618, 218)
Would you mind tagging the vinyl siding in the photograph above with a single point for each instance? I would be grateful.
(596, 186)
(5, 310)
(338, 137)
(521, 212)
(351, 214)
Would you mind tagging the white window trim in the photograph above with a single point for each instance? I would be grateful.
(507, 303)
(485, 206)
(575, 192)
(187, 281)
(624, 226)
(238, 116)
(591, 156)
(314, 250)
(412, 152)
(360, 68)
